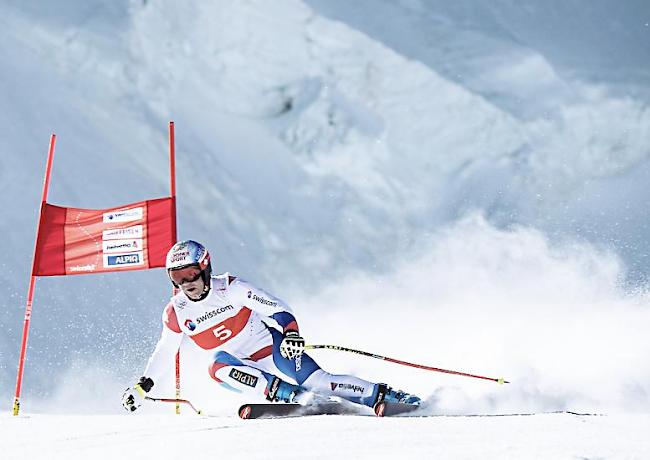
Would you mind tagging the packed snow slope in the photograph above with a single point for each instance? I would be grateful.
(459, 184)
(542, 437)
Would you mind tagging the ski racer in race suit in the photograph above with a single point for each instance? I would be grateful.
(250, 339)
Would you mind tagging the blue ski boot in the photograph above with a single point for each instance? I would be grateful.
(387, 394)
(278, 390)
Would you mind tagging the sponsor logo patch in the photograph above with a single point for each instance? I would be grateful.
(243, 377)
(180, 256)
(113, 246)
(261, 300)
(213, 313)
(123, 260)
(121, 233)
(347, 386)
(124, 215)
(82, 268)
(190, 324)
(275, 384)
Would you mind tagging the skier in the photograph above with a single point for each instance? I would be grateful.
(249, 339)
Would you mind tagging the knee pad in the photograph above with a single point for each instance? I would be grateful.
(234, 375)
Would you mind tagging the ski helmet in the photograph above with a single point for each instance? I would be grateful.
(186, 254)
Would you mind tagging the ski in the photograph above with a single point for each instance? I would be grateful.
(282, 410)
(388, 409)
(251, 411)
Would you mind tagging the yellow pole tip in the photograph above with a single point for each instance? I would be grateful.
(501, 381)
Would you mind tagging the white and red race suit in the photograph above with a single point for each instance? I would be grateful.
(236, 329)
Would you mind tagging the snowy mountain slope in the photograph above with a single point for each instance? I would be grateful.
(414, 129)
(525, 57)
(310, 153)
(563, 68)
(507, 54)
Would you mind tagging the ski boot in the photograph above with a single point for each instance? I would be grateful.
(387, 394)
(393, 402)
(280, 391)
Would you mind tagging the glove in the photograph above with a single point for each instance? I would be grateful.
(134, 397)
(292, 345)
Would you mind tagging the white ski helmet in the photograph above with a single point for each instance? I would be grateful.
(188, 253)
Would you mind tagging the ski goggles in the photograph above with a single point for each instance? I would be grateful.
(185, 275)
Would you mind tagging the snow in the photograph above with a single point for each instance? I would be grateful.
(462, 185)
(541, 436)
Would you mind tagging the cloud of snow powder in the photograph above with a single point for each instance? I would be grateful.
(550, 317)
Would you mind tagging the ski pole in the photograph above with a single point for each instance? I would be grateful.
(500, 380)
(175, 401)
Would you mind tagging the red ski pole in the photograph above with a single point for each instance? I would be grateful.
(404, 363)
(174, 401)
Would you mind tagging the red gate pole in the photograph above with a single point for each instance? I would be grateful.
(172, 187)
(32, 280)
(172, 165)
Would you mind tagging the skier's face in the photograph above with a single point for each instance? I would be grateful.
(190, 281)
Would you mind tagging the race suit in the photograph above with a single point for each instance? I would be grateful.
(237, 327)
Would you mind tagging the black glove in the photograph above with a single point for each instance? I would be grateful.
(133, 397)
(292, 345)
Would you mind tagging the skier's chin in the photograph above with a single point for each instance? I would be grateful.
(193, 292)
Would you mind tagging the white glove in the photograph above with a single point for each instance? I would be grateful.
(292, 345)
(134, 397)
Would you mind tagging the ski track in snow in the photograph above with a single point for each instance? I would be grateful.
(541, 436)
